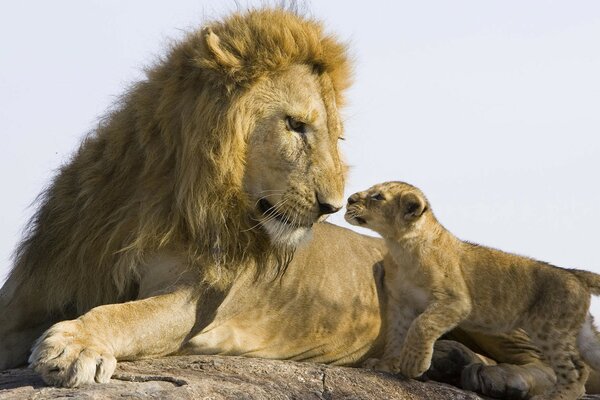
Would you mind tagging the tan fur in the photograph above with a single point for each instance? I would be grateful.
(166, 168)
(154, 225)
(437, 282)
(181, 163)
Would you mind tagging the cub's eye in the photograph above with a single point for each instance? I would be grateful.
(293, 124)
(377, 197)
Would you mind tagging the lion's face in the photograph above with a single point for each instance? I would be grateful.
(294, 173)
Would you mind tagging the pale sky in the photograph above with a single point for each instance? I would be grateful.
(492, 108)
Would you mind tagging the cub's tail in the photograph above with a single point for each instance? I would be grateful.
(591, 279)
(588, 342)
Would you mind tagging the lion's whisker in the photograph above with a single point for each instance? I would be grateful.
(264, 197)
(270, 191)
(270, 214)
(281, 227)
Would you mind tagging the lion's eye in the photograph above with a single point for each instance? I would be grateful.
(377, 197)
(293, 124)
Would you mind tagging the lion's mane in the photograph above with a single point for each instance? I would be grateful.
(164, 169)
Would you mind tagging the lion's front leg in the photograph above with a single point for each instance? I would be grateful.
(85, 350)
(67, 354)
(23, 318)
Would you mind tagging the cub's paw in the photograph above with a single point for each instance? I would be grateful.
(370, 363)
(65, 355)
(389, 364)
(413, 363)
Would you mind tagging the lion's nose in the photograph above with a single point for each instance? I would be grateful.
(326, 208)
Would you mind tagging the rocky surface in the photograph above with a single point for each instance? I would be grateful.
(214, 377)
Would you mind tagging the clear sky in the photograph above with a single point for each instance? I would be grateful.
(492, 108)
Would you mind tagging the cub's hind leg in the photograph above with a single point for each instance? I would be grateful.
(559, 349)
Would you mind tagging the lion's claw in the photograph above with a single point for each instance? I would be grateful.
(65, 356)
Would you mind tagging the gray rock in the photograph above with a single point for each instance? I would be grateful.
(216, 377)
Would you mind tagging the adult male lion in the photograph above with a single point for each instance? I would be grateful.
(190, 199)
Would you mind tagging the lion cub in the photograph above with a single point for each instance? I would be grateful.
(437, 282)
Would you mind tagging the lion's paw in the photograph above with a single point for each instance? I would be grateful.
(66, 356)
(500, 381)
(449, 358)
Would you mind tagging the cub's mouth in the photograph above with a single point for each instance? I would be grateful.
(352, 218)
(360, 220)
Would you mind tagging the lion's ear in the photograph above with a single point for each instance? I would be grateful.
(412, 206)
(219, 53)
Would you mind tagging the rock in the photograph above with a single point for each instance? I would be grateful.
(217, 377)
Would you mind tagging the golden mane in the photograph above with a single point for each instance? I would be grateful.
(164, 170)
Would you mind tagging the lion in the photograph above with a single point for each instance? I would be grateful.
(191, 222)
(435, 282)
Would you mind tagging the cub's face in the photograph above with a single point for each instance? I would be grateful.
(294, 174)
(390, 209)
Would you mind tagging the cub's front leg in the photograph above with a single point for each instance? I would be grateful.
(398, 317)
(441, 316)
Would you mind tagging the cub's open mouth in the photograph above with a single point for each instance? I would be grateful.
(350, 215)
(360, 220)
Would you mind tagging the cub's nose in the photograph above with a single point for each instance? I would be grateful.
(353, 199)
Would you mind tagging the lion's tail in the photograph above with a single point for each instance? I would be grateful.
(591, 279)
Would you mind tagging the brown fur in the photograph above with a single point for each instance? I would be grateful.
(165, 169)
(167, 197)
(437, 282)
(159, 206)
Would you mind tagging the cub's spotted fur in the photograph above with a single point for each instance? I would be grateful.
(435, 282)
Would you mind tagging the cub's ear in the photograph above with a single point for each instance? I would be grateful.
(412, 206)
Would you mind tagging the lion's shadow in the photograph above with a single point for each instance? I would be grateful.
(19, 378)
